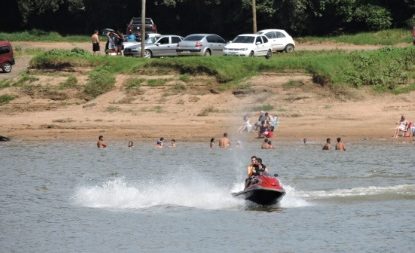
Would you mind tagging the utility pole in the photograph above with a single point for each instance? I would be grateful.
(143, 26)
(254, 28)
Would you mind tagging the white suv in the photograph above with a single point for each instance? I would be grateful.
(249, 45)
(280, 40)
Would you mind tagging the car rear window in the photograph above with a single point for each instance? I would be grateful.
(194, 38)
(4, 49)
(148, 21)
(244, 39)
(280, 35)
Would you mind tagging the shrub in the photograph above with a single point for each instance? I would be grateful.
(99, 82)
(4, 99)
(71, 82)
(59, 59)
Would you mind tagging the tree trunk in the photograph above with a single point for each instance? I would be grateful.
(254, 28)
(143, 26)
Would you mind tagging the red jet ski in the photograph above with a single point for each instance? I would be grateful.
(263, 190)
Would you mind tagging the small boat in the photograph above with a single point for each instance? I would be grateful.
(263, 190)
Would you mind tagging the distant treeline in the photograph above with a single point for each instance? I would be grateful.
(224, 17)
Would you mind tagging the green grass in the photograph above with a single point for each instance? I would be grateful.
(38, 35)
(388, 67)
(5, 99)
(70, 82)
(385, 37)
(156, 82)
(100, 81)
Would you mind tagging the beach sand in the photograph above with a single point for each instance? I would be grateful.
(305, 110)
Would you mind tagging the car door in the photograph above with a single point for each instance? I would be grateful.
(162, 46)
(259, 46)
(266, 45)
(173, 45)
(220, 44)
(280, 41)
(272, 36)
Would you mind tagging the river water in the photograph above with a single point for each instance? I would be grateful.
(73, 197)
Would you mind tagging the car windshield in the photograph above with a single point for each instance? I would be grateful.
(244, 39)
(194, 38)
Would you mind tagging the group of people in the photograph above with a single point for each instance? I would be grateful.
(113, 46)
(265, 125)
(339, 145)
(404, 128)
(267, 144)
(224, 142)
(159, 143)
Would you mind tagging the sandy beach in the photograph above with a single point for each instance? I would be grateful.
(305, 109)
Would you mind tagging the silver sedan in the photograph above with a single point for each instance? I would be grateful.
(166, 45)
(201, 44)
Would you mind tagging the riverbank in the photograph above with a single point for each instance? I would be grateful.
(305, 110)
(49, 105)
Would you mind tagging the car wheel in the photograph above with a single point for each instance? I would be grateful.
(7, 67)
(251, 54)
(207, 52)
(269, 54)
(148, 54)
(289, 48)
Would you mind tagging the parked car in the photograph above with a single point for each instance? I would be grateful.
(201, 44)
(6, 56)
(134, 48)
(166, 45)
(280, 40)
(249, 45)
(135, 25)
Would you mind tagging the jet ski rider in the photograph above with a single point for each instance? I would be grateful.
(256, 168)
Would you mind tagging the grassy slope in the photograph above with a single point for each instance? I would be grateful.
(385, 37)
(388, 68)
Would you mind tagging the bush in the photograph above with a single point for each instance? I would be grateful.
(59, 59)
(386, 69)
(71, 82)
(4, 99)
(99, 82)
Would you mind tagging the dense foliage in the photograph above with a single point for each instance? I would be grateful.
(225, 17)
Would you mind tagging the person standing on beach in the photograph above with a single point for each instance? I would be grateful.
(339, 145)
(327, 145)
(100, 142)
(224, 142)
(95, 42)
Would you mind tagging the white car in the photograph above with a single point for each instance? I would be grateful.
(280, 40)
(249, 45)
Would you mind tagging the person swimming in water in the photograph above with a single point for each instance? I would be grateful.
(160, 143)
(100, 142)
